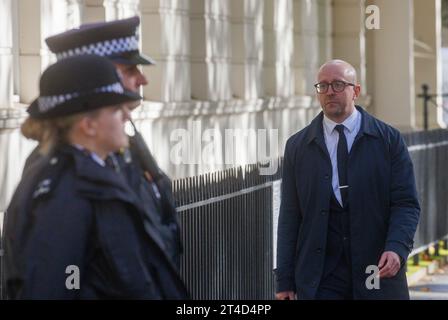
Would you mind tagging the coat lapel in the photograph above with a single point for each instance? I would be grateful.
(367, 128)
(316, 135)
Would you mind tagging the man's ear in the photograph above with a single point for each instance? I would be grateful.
(88, 126)
(357, 89)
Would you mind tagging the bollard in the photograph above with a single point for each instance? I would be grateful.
(415, 260)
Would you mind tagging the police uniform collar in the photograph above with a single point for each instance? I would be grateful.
(96, 181)
(103, 183)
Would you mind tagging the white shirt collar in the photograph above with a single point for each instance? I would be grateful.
(93, 155)
(349, 123)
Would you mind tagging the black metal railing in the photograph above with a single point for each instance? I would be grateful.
(429, 153)
(227, 233)
(429, 98)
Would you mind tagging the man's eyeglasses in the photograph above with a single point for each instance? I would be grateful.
(337, 86)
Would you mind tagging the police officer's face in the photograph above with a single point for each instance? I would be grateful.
(337, 105)
(132, 77)
(109, 128)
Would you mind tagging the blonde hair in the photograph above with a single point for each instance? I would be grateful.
(51, 132)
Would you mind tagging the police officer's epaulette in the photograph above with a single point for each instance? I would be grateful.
(49, 178)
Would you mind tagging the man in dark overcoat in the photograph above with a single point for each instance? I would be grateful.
(349, 206)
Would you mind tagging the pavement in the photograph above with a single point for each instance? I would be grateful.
(431, 287)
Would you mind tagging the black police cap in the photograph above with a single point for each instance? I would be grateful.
(116, 40)
(79, 84)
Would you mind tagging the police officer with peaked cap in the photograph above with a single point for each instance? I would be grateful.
(118, 41)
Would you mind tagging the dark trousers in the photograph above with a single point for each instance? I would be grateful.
(337, 285)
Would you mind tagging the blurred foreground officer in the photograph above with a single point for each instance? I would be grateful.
(73, 228)
(118, 41)
(349, 204)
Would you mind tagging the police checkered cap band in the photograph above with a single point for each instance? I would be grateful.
(103, 48)
(47, 103)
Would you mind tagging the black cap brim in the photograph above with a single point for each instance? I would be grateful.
(85, 103)
(135, 58)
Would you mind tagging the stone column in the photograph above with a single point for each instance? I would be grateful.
(6, 54)
(247, 48)
(74, 13)
(278, 48)
(349, 35)
(312, 42)
(38, 19)
(428, 58)
(165, 34)
(391, 65)
(93, 11)
(120, 9)
(211, 62)
(111, 9)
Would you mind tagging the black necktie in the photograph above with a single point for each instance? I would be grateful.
(342, 163)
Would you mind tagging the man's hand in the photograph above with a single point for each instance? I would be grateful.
(285, 295)
(389, 264)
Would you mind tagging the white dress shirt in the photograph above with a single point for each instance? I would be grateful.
(351, 128)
